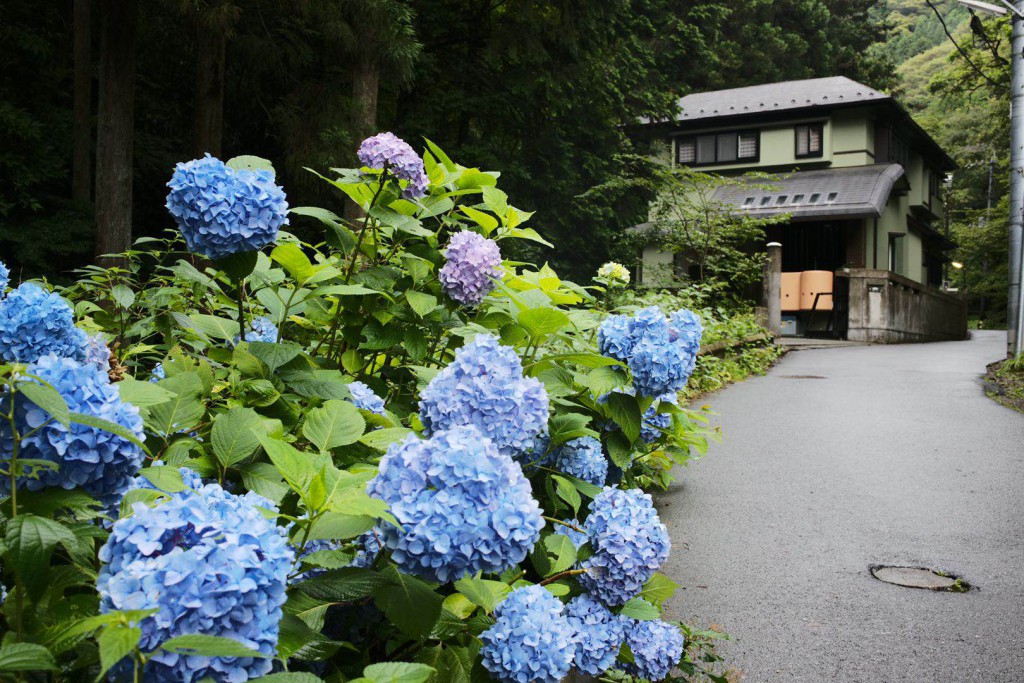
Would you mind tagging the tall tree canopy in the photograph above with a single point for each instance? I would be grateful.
(542, 90)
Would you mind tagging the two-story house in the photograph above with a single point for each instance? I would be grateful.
(860, 181)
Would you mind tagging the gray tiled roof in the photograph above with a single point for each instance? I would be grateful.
(835, 90)
(849, 192)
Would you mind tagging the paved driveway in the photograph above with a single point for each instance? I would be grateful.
(892, 454)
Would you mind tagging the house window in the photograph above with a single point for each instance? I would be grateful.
(900, 153)
(718, 148)
(933, 183)
(896, 258)
(809, 141)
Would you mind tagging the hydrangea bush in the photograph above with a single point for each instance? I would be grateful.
(399, 464)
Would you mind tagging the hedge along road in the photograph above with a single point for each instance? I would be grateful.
(840, 459)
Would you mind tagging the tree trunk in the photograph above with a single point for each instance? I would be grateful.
(81, 163)
(209, 122)
(115, 126)
(365, 85)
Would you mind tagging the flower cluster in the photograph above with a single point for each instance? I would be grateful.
(657, 647)
(473, 263)
(654, 423)
(629, 543)
(387, 150)
(157, 373)
(484, 386)
(210, 563)
(582, 458)
(36, 323)
(221, 211)
(614, 273)
(261, 329)
(364, 398)
(5, 278)
(95, 460)
(598, 634)
(661, 351)
(531, 640)
(463, 506)
(97, 352)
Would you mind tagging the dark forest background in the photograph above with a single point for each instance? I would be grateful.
(97, 93)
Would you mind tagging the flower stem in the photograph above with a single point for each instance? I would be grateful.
(556, 577)
(566, 524)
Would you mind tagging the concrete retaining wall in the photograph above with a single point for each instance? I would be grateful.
(887, 308)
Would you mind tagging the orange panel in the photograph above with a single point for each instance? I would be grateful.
(790, 292)
(811, 283)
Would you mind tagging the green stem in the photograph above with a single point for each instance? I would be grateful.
(566, 524)
(241, 311)
(556, 577)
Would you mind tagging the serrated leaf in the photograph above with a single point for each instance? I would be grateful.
(183, 411)
(625, 411)
(209, 646)
(409, 603)
(30, 542)
(567, 492)
(142, 394)
(123, 296)
(380, 439)
(297, 468)
(164, 478)
(542, 322)
(249, 162)
(638, 608)
(115, 643)
(47, 398)
(234, 435)
(335, 423)
(264, 479)
(482, 592)
(421, 302)
(214, 326)
(567, 426)
(344, 585)
(301, 642)
(562, 553)
(658, 589)
(294, 260)
(289, 677)
(107, 426)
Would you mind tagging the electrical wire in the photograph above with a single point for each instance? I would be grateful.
(959, 49)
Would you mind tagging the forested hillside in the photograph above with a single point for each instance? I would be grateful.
(961, 98)
(539, 89)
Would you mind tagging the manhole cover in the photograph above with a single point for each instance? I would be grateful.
(920, 577)
(802, 377)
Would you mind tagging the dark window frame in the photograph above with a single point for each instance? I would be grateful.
(820, 127)
(756, 132)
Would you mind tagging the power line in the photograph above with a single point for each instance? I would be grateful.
(957, 45)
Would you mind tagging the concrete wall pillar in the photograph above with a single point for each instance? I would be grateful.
(773, 287)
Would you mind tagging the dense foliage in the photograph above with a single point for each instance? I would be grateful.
(317, 465)
(541, 90)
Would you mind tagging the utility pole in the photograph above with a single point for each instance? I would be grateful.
(1016, 302)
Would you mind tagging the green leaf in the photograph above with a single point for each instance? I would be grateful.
(209, 646)
(567, 492)
(561, 551)
(380, 439)
(297, 468)
(568, 426)
(420, 302)
(484, 220)
(294, 260)
(166, 479)
(619, 450)
(30, 543)
(301, 642)
(248, 162)
(603, 380)
(124, 296)
(542, 322)
(658, 589)
(47, 398)
(409, 603)
(107, 426)
(398, 672)
(344, 585)
(234, 435)
(289, 677)
(142, 394)
(332, 526)
(481, 592)
(239, 266)
(116, 642)
(625, 411)
(335, 423)
(638, 608)
(26, 657)
(183, 411)
(264, 479)
(214, 326)
(274, 355)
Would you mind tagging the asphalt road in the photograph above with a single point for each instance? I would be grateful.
(891, 455)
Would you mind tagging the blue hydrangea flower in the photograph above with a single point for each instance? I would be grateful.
(211, 563)
(5, 278)
(598, 634)
(484, 386)
(578, 538)
(387, 150)
(629, 543)
(531, 640)
(473, 264)
(97, 352)
(655, 423)
(367, 552)
(36, 323)
(157, 373)
(685, 327)
(464, 507)
(661, 351)
(582, 458)
(95, 460)
(657, 646)
(660, 368)
(613, 337)
(261, 329)
(221, 211)
(364, 398)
